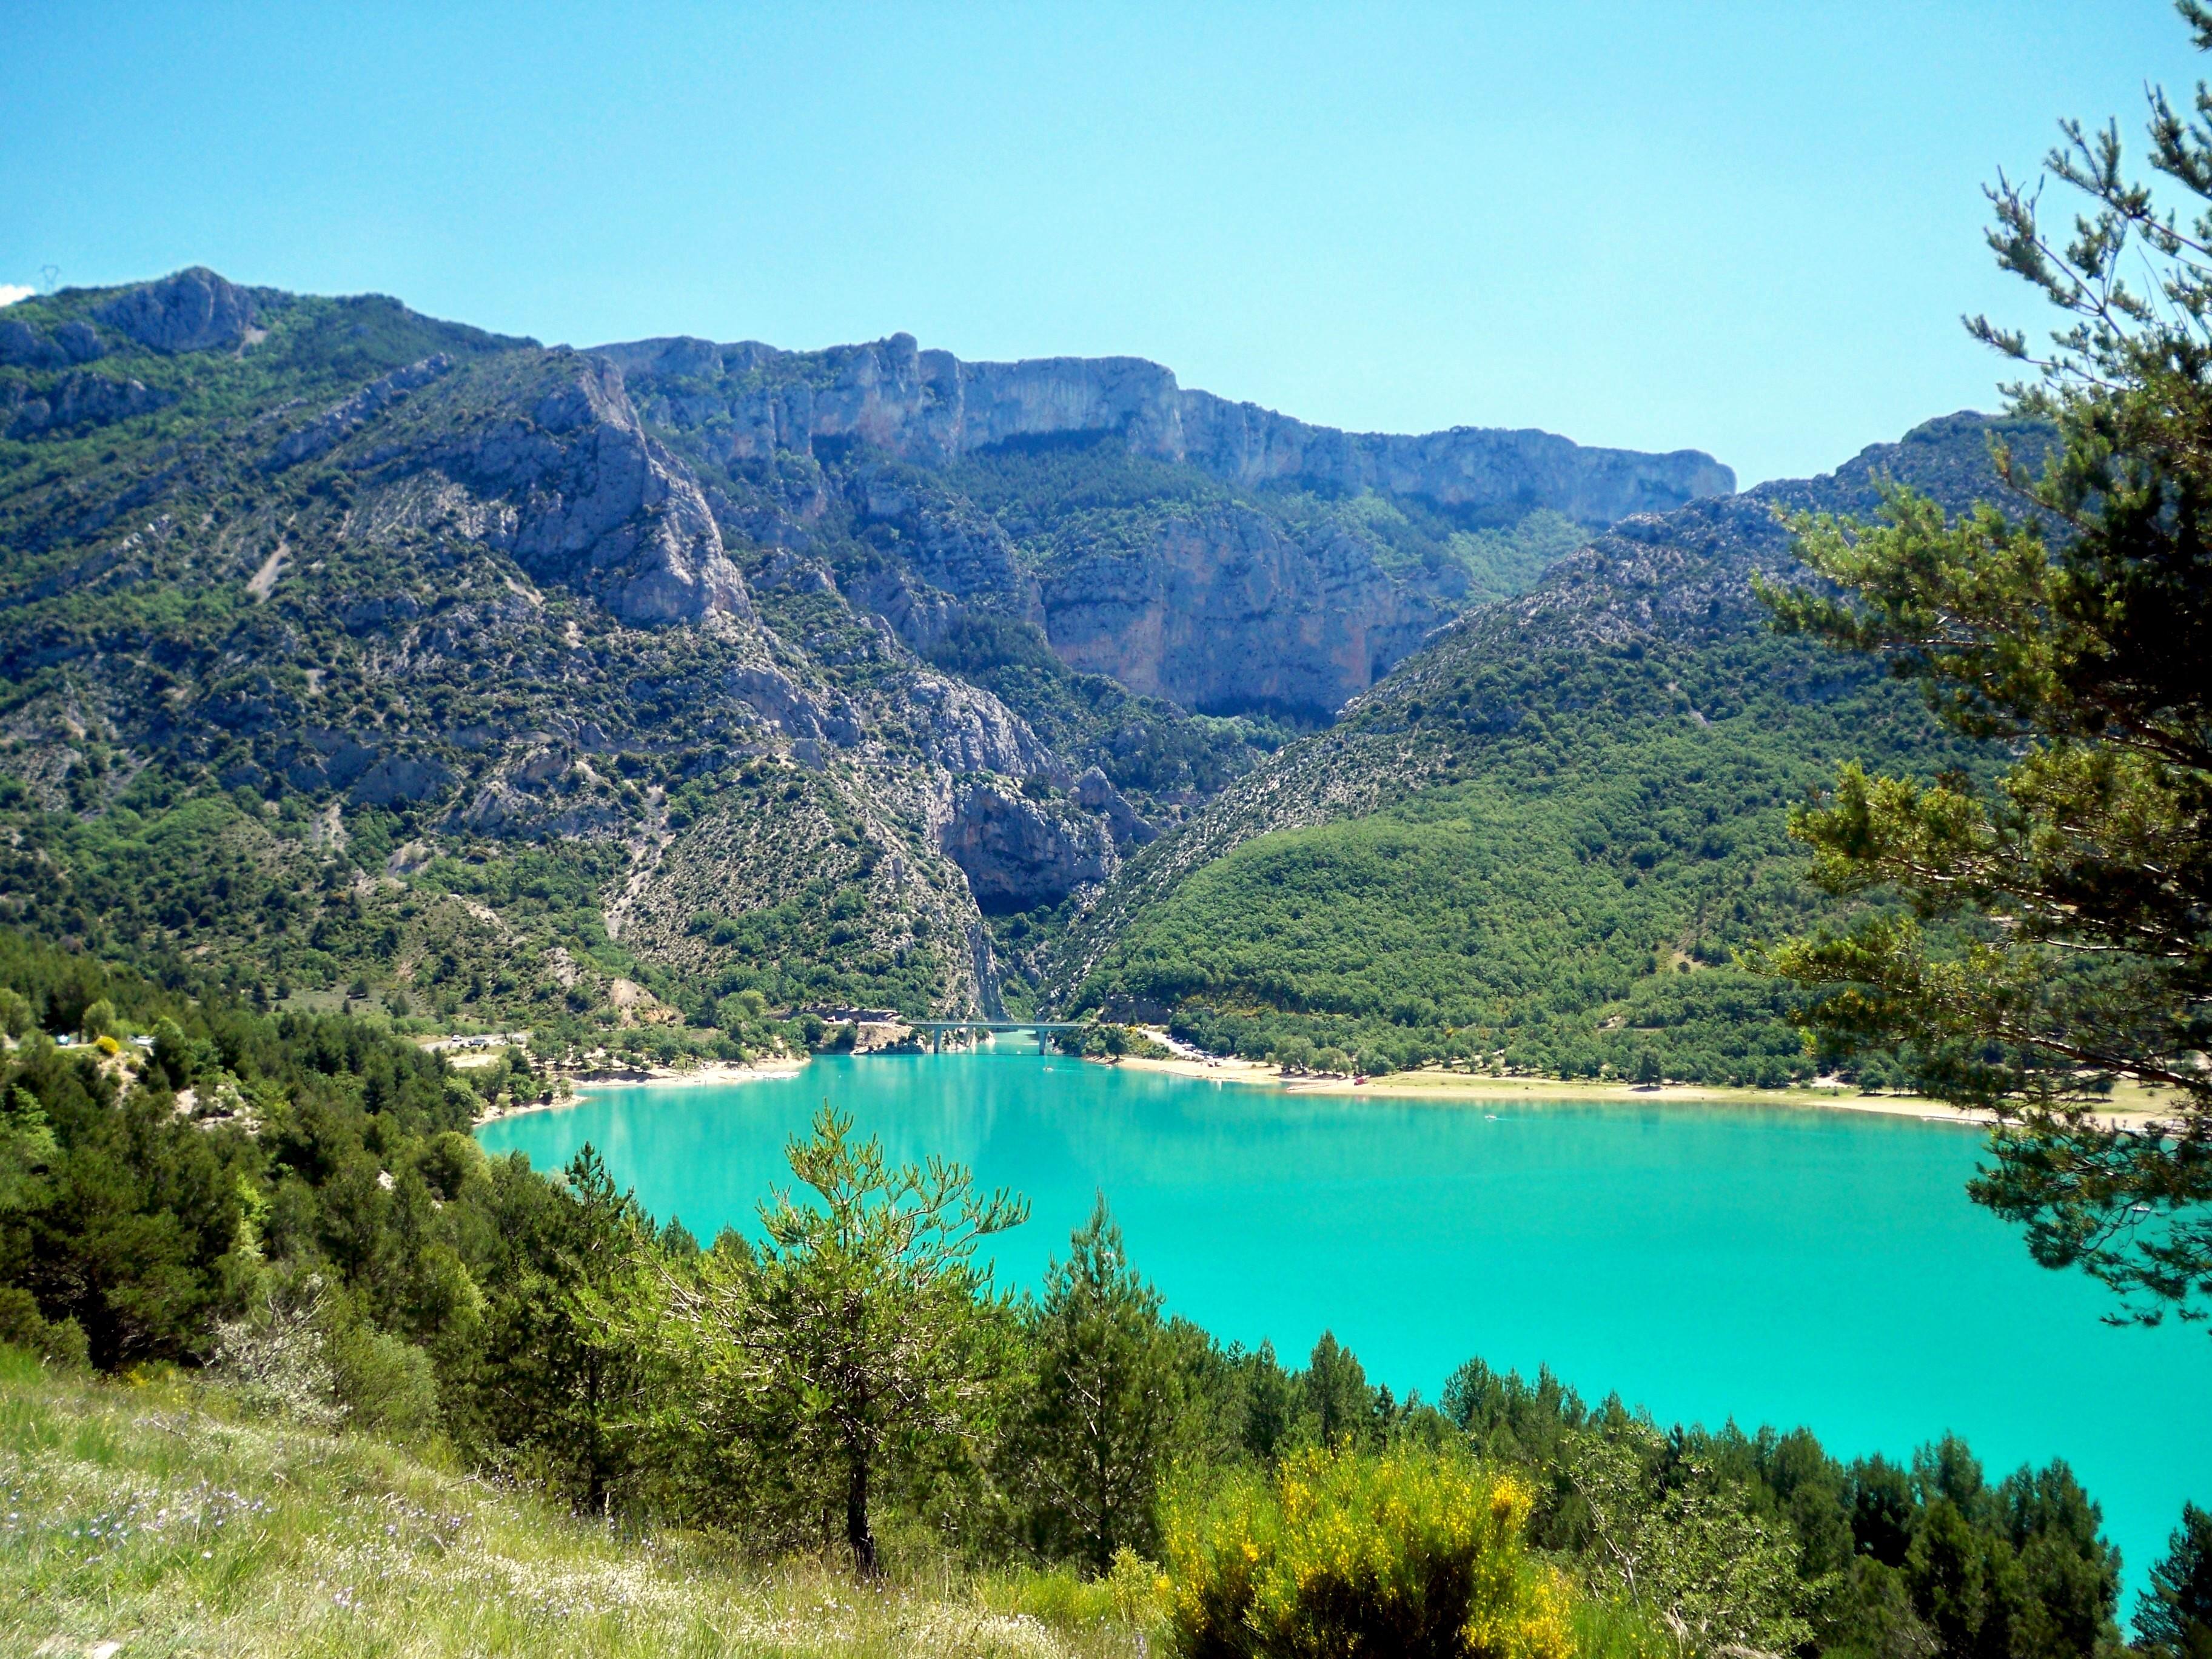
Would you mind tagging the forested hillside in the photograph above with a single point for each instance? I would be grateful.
(1538, 843)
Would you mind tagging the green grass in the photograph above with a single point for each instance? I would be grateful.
(156, 1517)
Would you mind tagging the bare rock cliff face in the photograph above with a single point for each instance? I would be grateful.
(1224, 611)
(1018, 853)
(195, 310)
(928, 406)
(1219, 605)
(579, 493)
(964, 729)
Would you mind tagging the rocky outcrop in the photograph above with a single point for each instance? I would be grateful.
(1224, 611)
(195, 310)
(1095, 792)
(930, 407)
(82, 399)
(771, 694)
(341, 423)
(919, 614)
(964, 729)
(22, 346)
(593, 502)
(1018, 852)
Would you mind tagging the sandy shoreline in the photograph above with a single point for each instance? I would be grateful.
(1474, 1090)
(2131, 1107)
(713, 1071)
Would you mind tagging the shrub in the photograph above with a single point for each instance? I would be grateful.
(59, 1342)
(386, 1385)
(1407, 1553)
(278, 1360)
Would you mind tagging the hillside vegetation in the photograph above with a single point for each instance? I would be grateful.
(158, 1516)
(1540, 843)
(1571, 906)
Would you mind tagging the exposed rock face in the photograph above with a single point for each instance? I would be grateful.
(1095, 792)
(919, 614)
(929, 406)
(83, 399)
(596, 505)
(1224, 611)
(771, 695)
(1219, 605)
(195, 310)
(23, 347)
(965, 729)
(347, 417)
(1018, 852)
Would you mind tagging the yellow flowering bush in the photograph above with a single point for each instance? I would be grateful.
(1412, 1553)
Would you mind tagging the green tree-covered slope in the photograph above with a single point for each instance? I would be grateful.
(1538, 842)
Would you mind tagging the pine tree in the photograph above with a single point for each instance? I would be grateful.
(2174, 1621)
(862, 1328)
(1337, 1394)
(1106, 1406)
(2073, 894)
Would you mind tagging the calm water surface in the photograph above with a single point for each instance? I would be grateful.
(1772, 1265)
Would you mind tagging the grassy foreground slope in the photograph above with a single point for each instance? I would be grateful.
(1538, 843)
(152, 1517)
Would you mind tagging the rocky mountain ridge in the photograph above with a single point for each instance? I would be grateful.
(346, 645)
(1216, 599)
(932, 408)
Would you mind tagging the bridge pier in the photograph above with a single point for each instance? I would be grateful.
(968, 1034)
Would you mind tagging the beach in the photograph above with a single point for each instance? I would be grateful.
(721, 1071)
(2131, 1107)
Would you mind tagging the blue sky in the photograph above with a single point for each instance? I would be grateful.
(1748, 228)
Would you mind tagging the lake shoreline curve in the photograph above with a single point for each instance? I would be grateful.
(1472, 1090)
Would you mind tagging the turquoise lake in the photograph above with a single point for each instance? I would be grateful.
(1773, 1264)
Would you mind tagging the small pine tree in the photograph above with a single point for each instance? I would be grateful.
(2174, 1621)
(1106, 1405)
(862, 1328)
(1337, 1394)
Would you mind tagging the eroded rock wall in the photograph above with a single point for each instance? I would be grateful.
(1223, 610)
(931, 407)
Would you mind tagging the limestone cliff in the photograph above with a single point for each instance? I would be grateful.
(930, 406)
(1242, 572)
(1222, 610)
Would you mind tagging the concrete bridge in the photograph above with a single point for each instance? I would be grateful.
(964, 1031)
